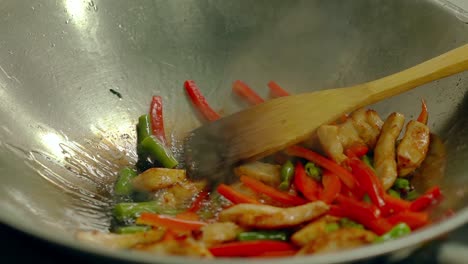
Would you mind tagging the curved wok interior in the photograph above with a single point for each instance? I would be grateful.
(64, 135)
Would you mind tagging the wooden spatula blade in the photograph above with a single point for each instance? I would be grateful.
(256, 132)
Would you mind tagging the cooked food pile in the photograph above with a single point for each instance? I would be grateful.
(354, 189)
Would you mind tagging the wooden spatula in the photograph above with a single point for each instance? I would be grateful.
(212, 149)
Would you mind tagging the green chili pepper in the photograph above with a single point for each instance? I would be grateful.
(368, 161)
(287, 173)
(394, 193)
(156, 150)
(127, 211)
(143, 128)
(123, 186)
(131, 229)
(397, 231)
(401, 184)
(330, 227)
(346, 222)
(313, 171)
(263, 235)
(412, 195)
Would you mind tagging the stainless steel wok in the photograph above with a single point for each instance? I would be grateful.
(64, 134)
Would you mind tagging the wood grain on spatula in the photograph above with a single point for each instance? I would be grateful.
(214, 148)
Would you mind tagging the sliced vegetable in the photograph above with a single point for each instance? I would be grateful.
(346, 222)
(393, 193)
(157, 121)
(394, 205)
(154, 148)
(276, 90)
(143, 128)
(279, 196)
(263, 235)
(432, 196)
(368, 181)
(397, 231)
(197, 203)
(127, 211)
(364, 210)
(234, 196)
(123, 186)
(313, 171)
(249, 248)
(244, 91)
(199, 101)
(331, 187)
(306, 185)
(412, 195)
(413, 219)
(131, 229)
(345, 176)
(173, 223)
(423, 116)
(357, 151)
(402, 184)
(287, 174)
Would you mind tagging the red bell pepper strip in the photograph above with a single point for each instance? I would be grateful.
(423, 116)
(157, 121)
(276, 90)
(414, 220)
(306, 185)
(249, 248)
(234, 196)
(368, 181)
(169, 222)
(365, 210)
(395, 205)
(356, 151)
(199, 101)
(432, 196)
(279, 196)
(197, 203)
(379, 226)
(244, 91)
(331, 187)
(345, 176)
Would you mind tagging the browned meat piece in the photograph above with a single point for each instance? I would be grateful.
(265, 172)
(179, 247)
(331, 144)
(217, 233)
(313, 230)
(158, 178)
(344, 238)
(384, 152)
(413, 147)
(270, 217)
(118, 241)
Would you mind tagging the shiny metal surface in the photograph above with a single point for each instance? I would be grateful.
(64, 134)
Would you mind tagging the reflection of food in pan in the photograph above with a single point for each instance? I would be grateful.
(359, 192)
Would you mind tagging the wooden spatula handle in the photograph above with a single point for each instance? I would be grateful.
(447, 64)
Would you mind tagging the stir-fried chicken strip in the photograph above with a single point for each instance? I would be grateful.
(368, 124)
(180, 194)
(179, 247)
(412, 149)
(158, 178)
(361, 128)
(270, 217)
(313, 230)
(331, 144)
(265, 172)
(217, 233)
(118, 241)
(384, 152)
(343, 238)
